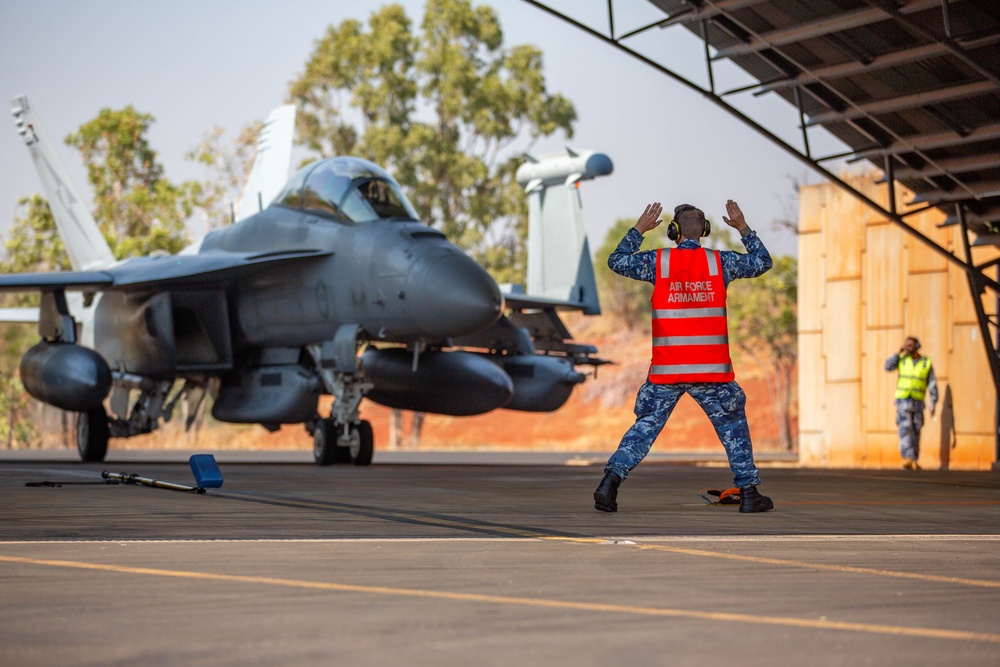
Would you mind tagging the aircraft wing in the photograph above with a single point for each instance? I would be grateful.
(191, 270)
(74, 281)
(157, 272)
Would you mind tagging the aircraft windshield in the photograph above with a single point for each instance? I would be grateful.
(348, 189)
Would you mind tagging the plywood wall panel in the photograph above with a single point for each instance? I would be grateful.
(811, 285)
(972, 383)
(922, 256)
(842, 328)
(812, 207)
(842, 420)
(842, 239)
(927, 312)
(972, 452)
(884, 273)
(812, 381)
(813, 450)
(881, 450)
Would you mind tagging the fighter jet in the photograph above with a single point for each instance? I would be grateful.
(335, 288)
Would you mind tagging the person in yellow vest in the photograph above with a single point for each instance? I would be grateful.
(690, 343)
(916, 381)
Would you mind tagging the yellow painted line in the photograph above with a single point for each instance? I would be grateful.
(785, 621)
(823, 566)
(935, 503)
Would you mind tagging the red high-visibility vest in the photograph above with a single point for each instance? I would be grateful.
(690, 330)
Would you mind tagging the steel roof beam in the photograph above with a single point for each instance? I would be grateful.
(853, 67)
(707, 12)
(906, 102)
(959, 165)
(977, 190)
(850, 68)
(926, 142)
(821, 28)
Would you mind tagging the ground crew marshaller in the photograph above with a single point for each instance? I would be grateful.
(690, 342)
(916, 380)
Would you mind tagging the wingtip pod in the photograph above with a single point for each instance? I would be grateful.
(19, 110)
(564, 168)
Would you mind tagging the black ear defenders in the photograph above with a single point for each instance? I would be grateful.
(674, 228)
(916, 343)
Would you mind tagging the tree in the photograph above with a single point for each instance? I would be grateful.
(139, 211)
(32, 244)
(763, 321)
(16, 429)
(442, 111)
(229, 168)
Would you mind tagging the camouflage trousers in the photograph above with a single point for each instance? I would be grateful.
(909, 421)
(724, 403)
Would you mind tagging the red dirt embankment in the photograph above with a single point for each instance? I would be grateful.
(593, 420)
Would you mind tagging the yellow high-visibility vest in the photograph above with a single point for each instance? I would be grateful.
(913, 377)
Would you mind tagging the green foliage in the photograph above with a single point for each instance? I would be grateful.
(229, 168)
(138, 210)
(443, 111)
(16, 430)
(623, 297)
(763, 320)
(32, 245)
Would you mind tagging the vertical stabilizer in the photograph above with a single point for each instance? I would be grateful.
(270, 167)
(84, 242)
(559, 263)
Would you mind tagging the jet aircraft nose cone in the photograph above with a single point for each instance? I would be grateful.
(456, 296)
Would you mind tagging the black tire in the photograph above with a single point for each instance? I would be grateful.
(325, 450)
(361, 455)
(92, 434)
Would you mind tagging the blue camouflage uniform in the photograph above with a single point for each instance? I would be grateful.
(723, 402)
(910, 413)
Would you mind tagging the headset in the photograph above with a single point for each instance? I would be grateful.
(674, 228)
(916, 342)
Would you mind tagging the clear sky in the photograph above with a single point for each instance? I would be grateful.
(196, 64)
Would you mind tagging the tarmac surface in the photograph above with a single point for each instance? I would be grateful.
(438, 560)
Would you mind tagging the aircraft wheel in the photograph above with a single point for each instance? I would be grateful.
(361, 454)
(92, 433)
(325, 448)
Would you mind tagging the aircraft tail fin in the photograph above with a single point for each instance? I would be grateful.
(270, 168)
(559, 262)
(85, 245)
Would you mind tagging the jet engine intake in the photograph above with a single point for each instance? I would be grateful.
(445, 383)
(67, 376)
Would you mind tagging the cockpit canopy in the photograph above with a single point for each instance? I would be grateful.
(347, 189)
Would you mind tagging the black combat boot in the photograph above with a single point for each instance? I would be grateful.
(752, 501)
(607, 493)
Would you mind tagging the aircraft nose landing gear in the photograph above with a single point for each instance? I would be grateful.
(332, 443)
(343, 437)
